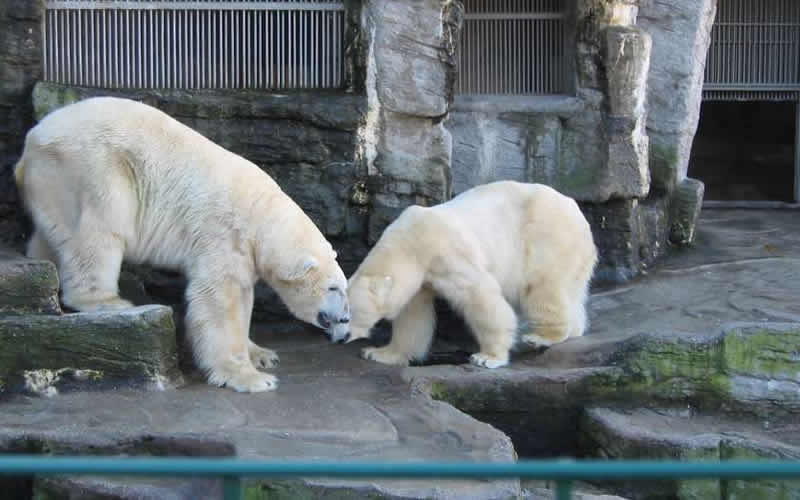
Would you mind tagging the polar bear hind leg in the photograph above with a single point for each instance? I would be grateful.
(86, 250)
(491, 318)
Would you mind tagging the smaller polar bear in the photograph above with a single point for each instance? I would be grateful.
(109, 179)
(495, 245)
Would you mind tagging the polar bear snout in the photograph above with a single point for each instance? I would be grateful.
(340, 331)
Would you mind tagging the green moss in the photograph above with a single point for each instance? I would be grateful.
(298, 490)
(763, 352)
(761, 488)
(47, 98)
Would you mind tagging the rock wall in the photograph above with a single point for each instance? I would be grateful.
(681, 32)
(20, 68)
(409, 53)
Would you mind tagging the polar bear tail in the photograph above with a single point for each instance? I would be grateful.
(19, 175)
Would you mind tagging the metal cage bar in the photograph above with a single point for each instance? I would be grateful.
(754, 52)
(194, 43)
(512, 47)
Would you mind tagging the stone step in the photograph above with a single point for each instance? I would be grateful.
(747, 369)
(43, 353)
(330, 406)
(27, 286)
(671, 435)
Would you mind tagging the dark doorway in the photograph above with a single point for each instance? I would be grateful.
(745, 150)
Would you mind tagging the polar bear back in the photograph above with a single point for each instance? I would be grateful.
(519, 232)
(166, 187)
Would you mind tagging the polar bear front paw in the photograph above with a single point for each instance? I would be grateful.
(384, 355)
(261, 357)
(487, 361)
(246, 380)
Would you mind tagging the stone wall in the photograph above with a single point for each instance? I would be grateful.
(681, 32)
(20, 68)
(409, 49)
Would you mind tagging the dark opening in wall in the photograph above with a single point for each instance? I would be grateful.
(745, 150)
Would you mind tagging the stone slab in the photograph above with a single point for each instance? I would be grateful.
(27, 286)
(102, 349)
(330, 406)
(665, 435)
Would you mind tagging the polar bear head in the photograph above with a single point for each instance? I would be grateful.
(314, 288)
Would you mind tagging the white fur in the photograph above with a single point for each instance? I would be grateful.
(495, 246)
(108, 179)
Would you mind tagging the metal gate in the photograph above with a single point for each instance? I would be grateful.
(755, 56)
(512, 47)
(194, 44)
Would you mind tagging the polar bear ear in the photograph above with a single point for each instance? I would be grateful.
(299, 269)
(380, 286)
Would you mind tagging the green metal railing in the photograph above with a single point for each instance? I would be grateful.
(231, 470)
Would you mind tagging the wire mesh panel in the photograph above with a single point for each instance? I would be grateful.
(512, 47)
(755, 51)
(194, 44)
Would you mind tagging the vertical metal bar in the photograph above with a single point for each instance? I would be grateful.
(225, 30)
(268, 38)
(563, 490)
(163, 51)
(325, 47)
(214, 39)
(231, 488)
(151, 76)
(315, 63)
(292, 48)
(104, 17)
(140, 49)
(237, 52)
(797, 152)
(127, 67)
(46, 45)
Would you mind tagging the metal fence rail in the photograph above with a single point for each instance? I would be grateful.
(562, 471)
(512, 47)
(755, 51)
(194, 44)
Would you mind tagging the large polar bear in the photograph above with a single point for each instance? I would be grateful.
(109, 179)
(496, 245)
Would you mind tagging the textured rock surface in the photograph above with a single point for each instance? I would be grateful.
(27, 286)
(648, 434)
(134, 346)
(627, 52)
(630, 233)
(681, 33)
(20, 67)
(687, 201)
(330, 406)
(410, 67)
